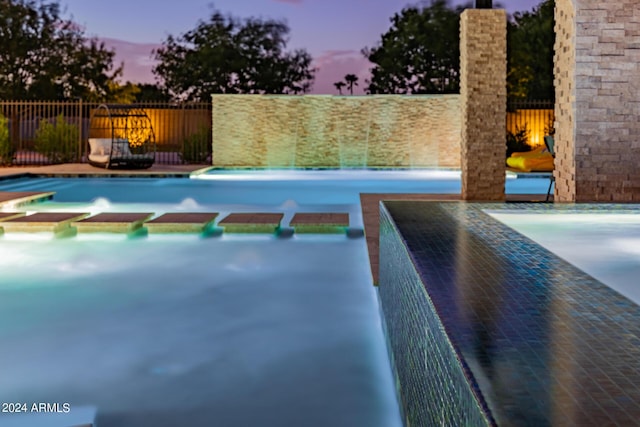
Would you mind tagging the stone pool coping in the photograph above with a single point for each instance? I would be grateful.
(86, 170)
(539, 341)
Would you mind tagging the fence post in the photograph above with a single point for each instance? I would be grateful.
(184, 130)
(80, 139)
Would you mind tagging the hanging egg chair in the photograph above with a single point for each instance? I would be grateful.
(121, 136)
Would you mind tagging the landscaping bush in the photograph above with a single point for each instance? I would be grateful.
(6, 147)
(518, 141)
(59, 141)
(196, 148)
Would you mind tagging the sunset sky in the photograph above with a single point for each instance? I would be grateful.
(333, 31)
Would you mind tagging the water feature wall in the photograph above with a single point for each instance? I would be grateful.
(314, 131)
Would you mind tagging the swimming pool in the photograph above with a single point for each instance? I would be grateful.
(241, 191)
(237, 330)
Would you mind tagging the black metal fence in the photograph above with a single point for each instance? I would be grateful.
(530, 120)
(49, 132)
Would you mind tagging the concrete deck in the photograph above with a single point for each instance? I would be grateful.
(85, 169)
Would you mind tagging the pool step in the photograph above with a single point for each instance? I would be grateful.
(4, 216)
(182, 222)
(112, 222)
(42, 221)
(251, 222)
(325, 222)
(175, 222)
(18, 198)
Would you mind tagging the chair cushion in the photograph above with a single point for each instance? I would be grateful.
(536, 151)
(100, 146)
(543, 162)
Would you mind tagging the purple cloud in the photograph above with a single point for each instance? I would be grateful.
(137, 59)
(289, 1)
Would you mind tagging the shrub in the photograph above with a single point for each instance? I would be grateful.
(518, 140)
(196, 147)
(6, 147)
(59, 141)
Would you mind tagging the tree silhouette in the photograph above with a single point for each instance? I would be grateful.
(339, 86)
(351, 80)
(232, 55)
(420, 53)
(530, 53)
(46, 56)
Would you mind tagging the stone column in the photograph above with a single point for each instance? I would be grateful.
(597, 79)
(483, 93)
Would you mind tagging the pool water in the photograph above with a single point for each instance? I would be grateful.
(260, 188)
(603, 245)
(184, 330)
(177, 330)
(234, 191)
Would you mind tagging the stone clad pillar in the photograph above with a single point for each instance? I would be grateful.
(597, 80)
(483, 100)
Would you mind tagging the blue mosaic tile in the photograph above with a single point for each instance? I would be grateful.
(485, 326)
(431, 381)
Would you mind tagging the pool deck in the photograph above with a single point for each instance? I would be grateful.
(86, 170)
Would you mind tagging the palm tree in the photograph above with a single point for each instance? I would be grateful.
(339, 86)
(351, 80)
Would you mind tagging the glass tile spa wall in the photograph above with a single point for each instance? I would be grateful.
(431, 382)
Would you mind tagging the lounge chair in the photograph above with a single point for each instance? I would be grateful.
(550, 144)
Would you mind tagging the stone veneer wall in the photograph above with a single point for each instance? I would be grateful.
(483, 102)
(597, 78)
(279, 131)
(564, 72)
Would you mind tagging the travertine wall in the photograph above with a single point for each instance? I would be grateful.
(597, 78)
(564, 74)
(279, 131)
(483, 102)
